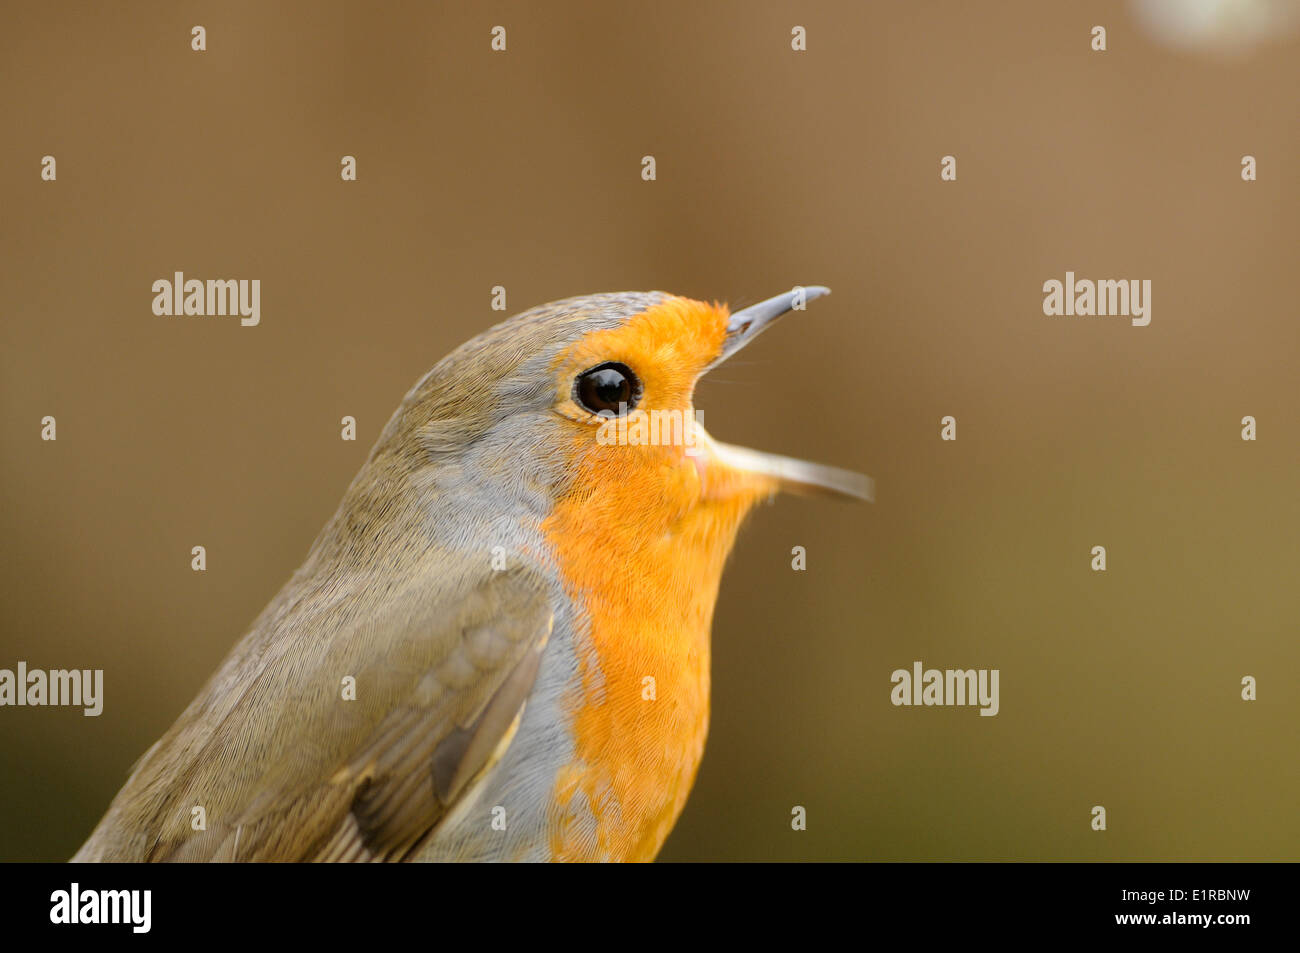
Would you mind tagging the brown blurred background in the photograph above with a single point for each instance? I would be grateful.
(774, 168)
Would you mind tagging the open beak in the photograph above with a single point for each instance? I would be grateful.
(795, 476)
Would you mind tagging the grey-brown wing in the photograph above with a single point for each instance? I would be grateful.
(349, 747)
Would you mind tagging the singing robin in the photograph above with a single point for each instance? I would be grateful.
(498, 648)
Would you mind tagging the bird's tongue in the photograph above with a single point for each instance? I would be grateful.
(727, 468)
(796, 476)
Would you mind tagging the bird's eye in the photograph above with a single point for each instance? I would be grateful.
(607, 389)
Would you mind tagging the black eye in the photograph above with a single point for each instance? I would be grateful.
(607, 389)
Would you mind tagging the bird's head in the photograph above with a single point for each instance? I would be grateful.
(594, 397)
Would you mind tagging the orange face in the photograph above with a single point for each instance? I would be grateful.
(663, 352)
(668, 346)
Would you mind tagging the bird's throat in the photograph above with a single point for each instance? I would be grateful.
(642, 558)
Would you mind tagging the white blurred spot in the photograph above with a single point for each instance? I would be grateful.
(1222, 26)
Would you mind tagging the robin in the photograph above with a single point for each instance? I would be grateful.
(498, 648)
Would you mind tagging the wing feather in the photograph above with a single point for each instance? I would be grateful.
(291, 771)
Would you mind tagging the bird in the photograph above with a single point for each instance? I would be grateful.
(498, 649)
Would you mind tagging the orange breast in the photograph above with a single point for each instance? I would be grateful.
(643, 554)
